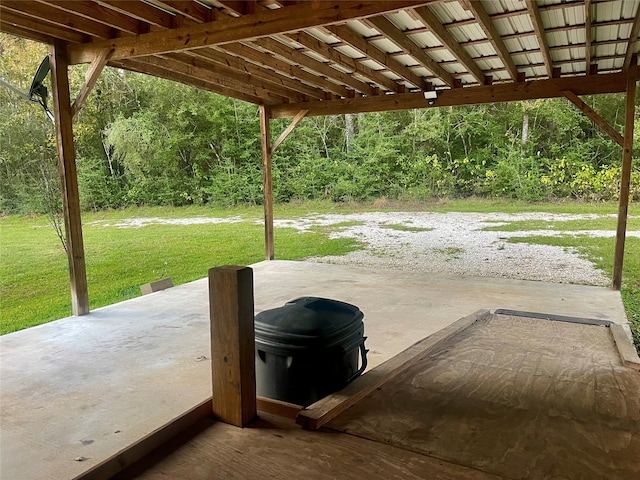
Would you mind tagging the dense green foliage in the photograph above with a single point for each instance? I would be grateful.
(144, 141)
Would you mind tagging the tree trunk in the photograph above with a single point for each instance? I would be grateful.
(349, 131)
(525, 127)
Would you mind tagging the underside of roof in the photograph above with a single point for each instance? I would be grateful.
(339, 56)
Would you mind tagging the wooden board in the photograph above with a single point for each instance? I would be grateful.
(271, 449)
(321, 412)
(628, 353)
(516, 397)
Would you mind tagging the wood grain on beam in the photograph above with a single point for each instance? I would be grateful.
(351, 38)
(507, 92)
(189, 9)
(538, 27)
(69, 178)
(267, 180)
(90, 79)
(37, 30)
(343, 60)
(225, 78)
(587, 35)
(293, 71)
(390, 31)
(594, 117)
(296, 120)
(625, 174)
(633, 38)
(304, 60)
(163, 71)
(97, 13)
(52, 15)
(140, 11)
(494, 37)
(443, 35)
(270, 76)
(226, 30)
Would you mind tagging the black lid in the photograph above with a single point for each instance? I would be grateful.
(308, 320)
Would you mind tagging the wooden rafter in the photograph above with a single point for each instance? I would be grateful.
(293, 71)
(593, 116)
(443, 35)
(493, 36)
(325, 69)
(141, 11)
(587, 35)
(227, 30)
(58, 17)
(240, 65)
(98, 13)
(506, 92)
(40, 31)
(390, 31)
(633, 38)
(345, 61)
(136, 65)
(351, 38)
(541, 36)
(190, 10)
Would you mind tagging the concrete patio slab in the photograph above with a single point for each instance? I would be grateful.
(78, 390)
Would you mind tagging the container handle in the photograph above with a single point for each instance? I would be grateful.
(363, 366)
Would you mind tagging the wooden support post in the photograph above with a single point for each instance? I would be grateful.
(69, 178)
(625, 177)
(265, 140)
(233, 365)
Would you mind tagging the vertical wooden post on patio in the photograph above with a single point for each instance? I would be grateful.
(69, 179)
(233, 366)
(265, 140)
(627, 153)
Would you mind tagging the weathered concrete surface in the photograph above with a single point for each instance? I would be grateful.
(78, 390)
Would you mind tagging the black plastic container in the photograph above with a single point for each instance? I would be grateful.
(308, 348)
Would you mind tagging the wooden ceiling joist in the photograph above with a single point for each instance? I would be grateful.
(140, 11)
(325, 69)
(327, 51)
(37, 30)
(483, 19)
(93, 12)
(268, 60)
(506, 92)
(447, 40)
(226, 30)
(190, 10)
(390, 31)
(631, 44)
(587, 35)
(351, 38)
(541, 36)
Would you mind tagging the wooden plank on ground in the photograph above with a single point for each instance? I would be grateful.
(627, 351)
(232, 344)
(323, 411)
(278, 407)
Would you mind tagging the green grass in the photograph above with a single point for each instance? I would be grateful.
(406, 228)
(34, 283)
(451, 252)
(605, 223)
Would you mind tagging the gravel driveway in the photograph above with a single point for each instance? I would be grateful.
(455, 243)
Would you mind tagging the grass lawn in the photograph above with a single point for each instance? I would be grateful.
(33, 272)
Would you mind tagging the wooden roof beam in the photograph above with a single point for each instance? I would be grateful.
(58, 17)
(303, 60)
(136, 65)
(492, 34)
(226, 30)
(538, 27)
(390, 31)
(246, 68)
(351, 38)
(95, 12)
(587, 35)
(442, 34)
(190, 10)
(37, 30)
(506, 92)
(140, 11)
(633, 38)
(225, 76)
(269, 61)
(343, 60)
